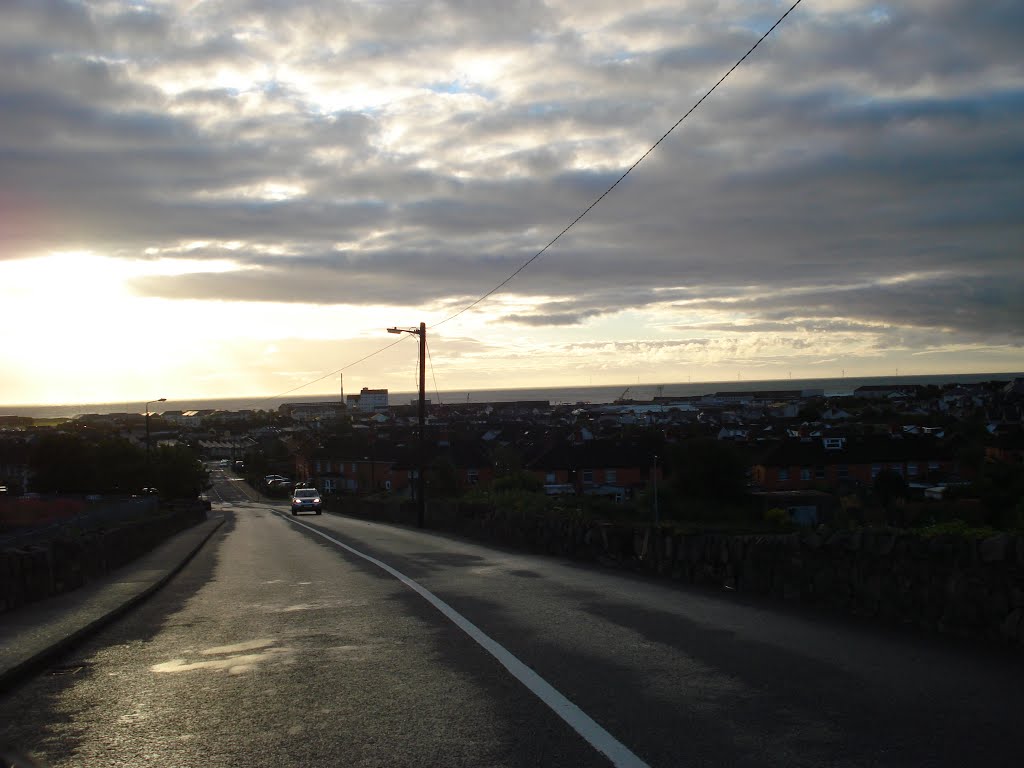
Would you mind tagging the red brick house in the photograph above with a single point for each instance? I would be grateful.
(384, 466)
(828, 463)
(601, 467)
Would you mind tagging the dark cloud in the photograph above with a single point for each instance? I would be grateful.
(870, 157)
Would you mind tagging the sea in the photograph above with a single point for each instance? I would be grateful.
(833, 387)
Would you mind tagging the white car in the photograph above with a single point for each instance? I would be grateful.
(304, 499)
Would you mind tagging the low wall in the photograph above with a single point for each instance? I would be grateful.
(71, 558)
(949, 584)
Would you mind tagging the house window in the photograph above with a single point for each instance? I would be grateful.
(611, 475)
(328, 485)
(550, 478)
(912, 468)
(843, 471)
(805, 473)
(933, 466)
(897, 468)
(876, 470)
(819, 472)
(353, 467)
(784, 474)
(588, 475)
(473, 476)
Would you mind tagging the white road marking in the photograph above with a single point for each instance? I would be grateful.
(576, 718)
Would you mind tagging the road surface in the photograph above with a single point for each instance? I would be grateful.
(325, 641)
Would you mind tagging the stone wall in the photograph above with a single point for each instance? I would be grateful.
(71, 558)
(949, 584)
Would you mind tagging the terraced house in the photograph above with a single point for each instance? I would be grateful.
(830, 463)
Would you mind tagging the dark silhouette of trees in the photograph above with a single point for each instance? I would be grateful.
(63, 462)
(890, 489)
(708, 480)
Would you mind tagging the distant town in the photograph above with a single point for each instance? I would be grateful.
(894, 453)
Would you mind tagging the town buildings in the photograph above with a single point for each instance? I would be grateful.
(793, 442)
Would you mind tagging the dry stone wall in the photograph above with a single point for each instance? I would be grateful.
(949, 584)
(68, 559)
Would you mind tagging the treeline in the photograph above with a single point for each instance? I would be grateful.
(64, 462)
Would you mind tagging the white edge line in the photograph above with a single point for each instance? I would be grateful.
(576, 718)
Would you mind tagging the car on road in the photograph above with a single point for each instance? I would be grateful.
(306, 499)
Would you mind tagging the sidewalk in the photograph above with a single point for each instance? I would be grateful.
(38, 632)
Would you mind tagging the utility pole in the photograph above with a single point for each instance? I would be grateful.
(421, 510)
(421, 483)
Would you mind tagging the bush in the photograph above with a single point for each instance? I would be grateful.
(956, 528)
(778, 517)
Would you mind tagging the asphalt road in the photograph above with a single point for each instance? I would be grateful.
(277, 645)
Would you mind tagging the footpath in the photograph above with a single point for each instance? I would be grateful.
(34, 635)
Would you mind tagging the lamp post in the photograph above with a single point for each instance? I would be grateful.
(421, 499)
(149, 480)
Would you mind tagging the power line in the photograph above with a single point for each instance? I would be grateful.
(571, 224)
(332, 373)
(629, 170)
(430, 359)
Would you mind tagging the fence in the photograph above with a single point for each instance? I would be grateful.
(28, 521)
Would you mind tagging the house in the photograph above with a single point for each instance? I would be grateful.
(835, 414)
(224, 449)
(886, 391)
(603, 467)
(186, 418)
(831, 463)
(354, 475)
(306, 413)
(1006, 447)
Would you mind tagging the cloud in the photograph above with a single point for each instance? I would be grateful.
(417, 154)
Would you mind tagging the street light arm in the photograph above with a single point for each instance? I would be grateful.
(158, 400)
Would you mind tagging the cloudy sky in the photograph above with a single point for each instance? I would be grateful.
(236, 197)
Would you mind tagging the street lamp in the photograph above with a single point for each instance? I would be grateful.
(421, 499)
(149, 480)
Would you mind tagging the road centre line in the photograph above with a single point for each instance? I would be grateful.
(576, 718)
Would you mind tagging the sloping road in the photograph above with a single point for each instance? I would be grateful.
(282, 643)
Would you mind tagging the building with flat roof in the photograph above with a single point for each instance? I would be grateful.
(368, 400)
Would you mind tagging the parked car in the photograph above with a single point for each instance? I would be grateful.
(304, 499)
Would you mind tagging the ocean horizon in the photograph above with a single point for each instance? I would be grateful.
(832, 387)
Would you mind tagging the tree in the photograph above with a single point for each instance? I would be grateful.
(178, 471)
(890, 488)
(520, 480)
(442, 479)
(118, 466)
(62, 463)
(705, 468)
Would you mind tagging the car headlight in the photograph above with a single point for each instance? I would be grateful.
(316, 501)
